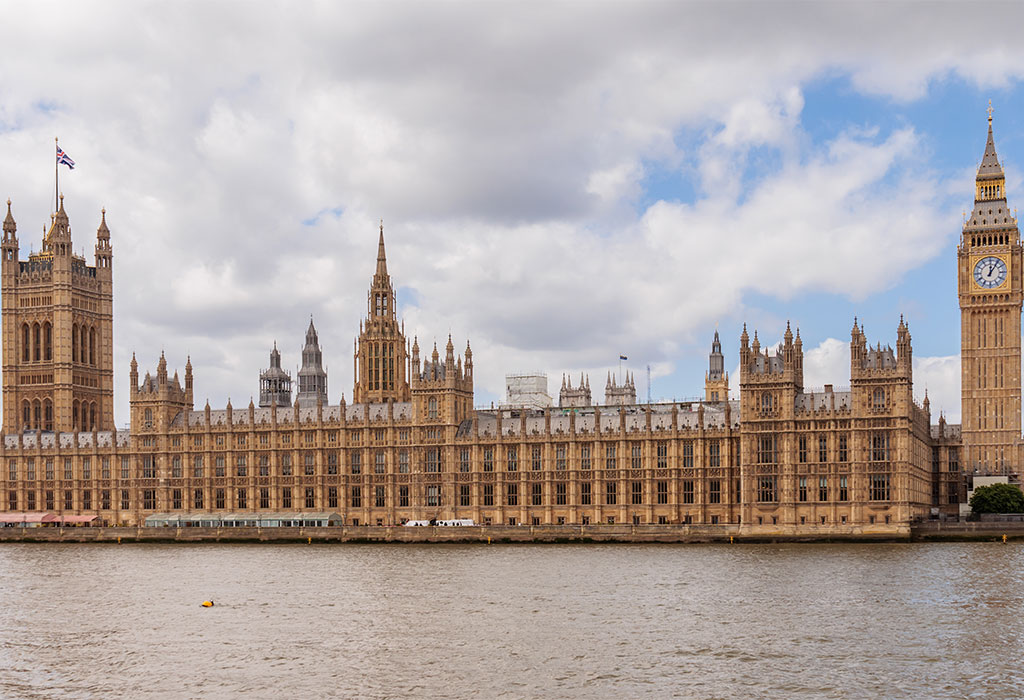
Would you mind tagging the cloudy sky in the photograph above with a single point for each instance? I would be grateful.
(559, 183)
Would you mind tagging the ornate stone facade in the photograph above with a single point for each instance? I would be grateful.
(781, 458)
(58, 368)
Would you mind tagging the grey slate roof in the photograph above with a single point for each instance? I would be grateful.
(822, 401)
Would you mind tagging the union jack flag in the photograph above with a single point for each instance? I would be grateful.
(64, 159)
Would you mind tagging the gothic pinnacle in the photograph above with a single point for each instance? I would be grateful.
(382, 262)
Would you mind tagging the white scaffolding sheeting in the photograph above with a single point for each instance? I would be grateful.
(528, 390)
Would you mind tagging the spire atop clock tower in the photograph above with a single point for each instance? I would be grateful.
(990, 212)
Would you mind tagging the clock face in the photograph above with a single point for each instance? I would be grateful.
(990, 272)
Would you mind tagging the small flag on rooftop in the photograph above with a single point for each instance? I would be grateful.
(64, 159)
(623, 357)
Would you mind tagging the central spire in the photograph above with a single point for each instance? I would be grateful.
(380, 359)
(382, 261)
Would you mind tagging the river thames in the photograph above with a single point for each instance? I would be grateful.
(511, 621)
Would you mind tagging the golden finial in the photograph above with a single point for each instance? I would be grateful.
(990, 110)
(382, 225)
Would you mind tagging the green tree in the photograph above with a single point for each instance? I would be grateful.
(997, 498)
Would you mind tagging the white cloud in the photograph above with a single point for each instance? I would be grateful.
(506, 146)
(940, 376)
(828, 363)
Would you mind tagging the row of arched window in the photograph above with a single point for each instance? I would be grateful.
(992, 239)
(37, 343)
(991, 191)
(83, 344)
(37, 415)
(83, 415)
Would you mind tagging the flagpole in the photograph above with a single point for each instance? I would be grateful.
(56, 175)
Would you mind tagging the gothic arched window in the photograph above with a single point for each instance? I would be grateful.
(47, 341)
(26, 343)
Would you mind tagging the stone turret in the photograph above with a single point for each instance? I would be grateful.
(157, 401)
(312, 376)
(574, 397)
(442, 391)
(620, 395)
(716, 381)
(10, 242)
(275, 383)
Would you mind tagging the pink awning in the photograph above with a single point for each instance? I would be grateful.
(29, 517)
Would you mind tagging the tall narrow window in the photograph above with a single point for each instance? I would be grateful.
(36, 342)
(26, 344)
(714, 491)
(611, 493)
(47, 341)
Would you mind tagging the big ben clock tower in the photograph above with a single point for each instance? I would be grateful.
(989, 269)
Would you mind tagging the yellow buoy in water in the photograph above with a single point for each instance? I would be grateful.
(207, 603)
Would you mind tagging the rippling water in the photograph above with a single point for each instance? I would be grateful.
(292, 621)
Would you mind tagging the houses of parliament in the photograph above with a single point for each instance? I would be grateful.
(411, 445)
